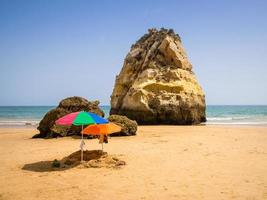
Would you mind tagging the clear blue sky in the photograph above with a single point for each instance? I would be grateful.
(57, 48)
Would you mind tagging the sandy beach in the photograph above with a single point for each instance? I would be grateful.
(163, 162)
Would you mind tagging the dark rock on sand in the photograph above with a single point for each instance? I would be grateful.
(129, 127)
(47, 126)
(156, 84)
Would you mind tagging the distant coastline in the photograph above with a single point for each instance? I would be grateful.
(216, 115)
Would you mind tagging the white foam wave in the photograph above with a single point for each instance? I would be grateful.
(235, 118)
(18, 122)
(219, 118)
(237, 123)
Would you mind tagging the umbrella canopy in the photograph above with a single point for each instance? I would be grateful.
(103, 129)
(81, 118)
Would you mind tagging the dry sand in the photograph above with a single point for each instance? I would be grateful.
(163, 162)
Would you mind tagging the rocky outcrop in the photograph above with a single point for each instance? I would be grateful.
(157, 85)
(128, 127)
(49, 129)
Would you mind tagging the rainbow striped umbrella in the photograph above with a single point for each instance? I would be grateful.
(80, 119)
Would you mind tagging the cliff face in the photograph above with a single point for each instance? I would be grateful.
(156, 84)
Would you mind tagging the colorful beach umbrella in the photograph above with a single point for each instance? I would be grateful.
(102, 129)
(80, 119)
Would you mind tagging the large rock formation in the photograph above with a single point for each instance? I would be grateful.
(156, 84)
(49, 129)
(128, 127)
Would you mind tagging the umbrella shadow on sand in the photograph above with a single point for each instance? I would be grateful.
(65, 163)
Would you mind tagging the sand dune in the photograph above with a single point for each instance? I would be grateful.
(163, 162)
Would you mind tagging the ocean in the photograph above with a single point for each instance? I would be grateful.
(216, 114)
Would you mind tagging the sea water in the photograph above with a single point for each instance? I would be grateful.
(246, 115)
(219, 114)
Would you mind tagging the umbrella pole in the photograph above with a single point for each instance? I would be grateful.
(82, 146)
(102, 148)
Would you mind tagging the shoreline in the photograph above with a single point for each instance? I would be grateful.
(160, 125)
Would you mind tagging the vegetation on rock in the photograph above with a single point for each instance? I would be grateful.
(128, 127)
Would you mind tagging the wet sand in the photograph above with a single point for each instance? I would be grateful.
(163, 162)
